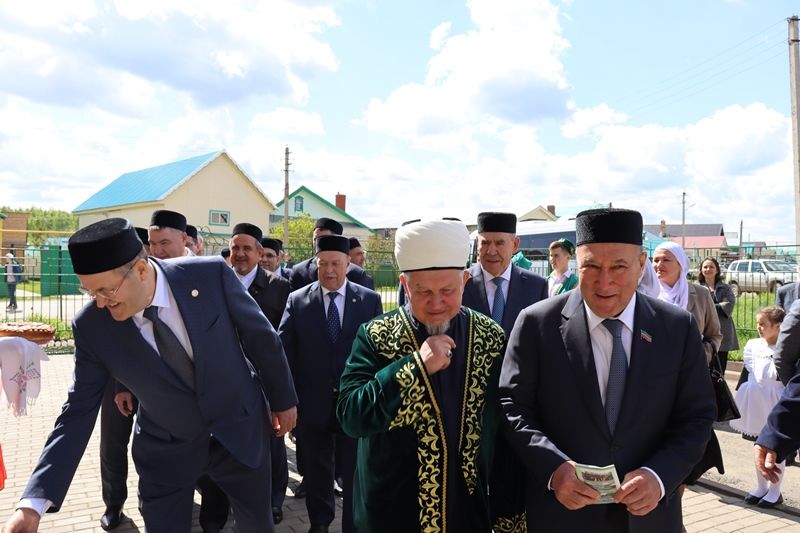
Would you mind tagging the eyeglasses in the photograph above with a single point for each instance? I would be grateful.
(107, 294)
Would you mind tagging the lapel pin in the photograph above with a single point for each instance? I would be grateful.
(645, 336)
(195, 293)
(354, 300)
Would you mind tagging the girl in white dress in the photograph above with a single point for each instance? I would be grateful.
(759, 394)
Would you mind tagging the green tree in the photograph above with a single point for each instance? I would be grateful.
(299, 245)
(45, 220)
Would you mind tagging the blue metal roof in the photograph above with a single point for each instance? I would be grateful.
(147, 185)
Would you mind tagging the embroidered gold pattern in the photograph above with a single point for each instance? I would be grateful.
(513, 524)
(392, 337)
(485, 339)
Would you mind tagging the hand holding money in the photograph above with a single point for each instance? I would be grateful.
(570, 491)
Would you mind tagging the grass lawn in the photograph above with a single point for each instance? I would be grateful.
(744, 317)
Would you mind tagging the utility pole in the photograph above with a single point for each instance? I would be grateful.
(794, 75)
(286, 197)
(741, 239)
(683, 220)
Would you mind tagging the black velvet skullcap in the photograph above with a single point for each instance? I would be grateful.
(191, 231)
(354, 243)
(608, 225)
(248, 229)
(497, 222)
(329, 224)
(333, 243)
(280, 243)
(143, 235)
(103, 246)
(272, 244)
(168, 219)
(225, 252)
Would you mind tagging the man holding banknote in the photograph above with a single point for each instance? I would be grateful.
(606, 376)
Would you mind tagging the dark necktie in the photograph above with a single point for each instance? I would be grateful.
(170, 349)
(617, 372)
(499, 305)
(334, 325)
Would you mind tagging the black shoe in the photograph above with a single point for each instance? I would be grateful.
(210, 529)
(318, 529)
(752, 500)
(792, 460)
(764, 504)
(300, 490)
(111, 519)
(277, 515)
(337, 487)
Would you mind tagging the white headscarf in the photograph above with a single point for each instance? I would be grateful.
(678, 294)
(648, 282)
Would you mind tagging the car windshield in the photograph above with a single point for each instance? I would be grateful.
(777, 266)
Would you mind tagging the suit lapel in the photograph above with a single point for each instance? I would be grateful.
(516, 293)
(644, 360)
(578, 344)
(352, 300)
(477, 283)
(318, 306)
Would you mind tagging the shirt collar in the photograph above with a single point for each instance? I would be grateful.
(506, 275)
(567, 273)
(248, 278)
(341, 290)
(626, 316)
(161, 294)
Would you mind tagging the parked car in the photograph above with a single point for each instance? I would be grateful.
(759, 275)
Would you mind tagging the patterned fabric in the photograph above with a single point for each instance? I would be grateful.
(334, 323)
(618, 371)
(499, 304)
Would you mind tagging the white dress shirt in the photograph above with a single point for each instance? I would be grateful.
(326, 300)
(247, 279)
(491, 288)
(553, 282)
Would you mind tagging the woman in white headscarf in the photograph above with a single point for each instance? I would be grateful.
(671, 265)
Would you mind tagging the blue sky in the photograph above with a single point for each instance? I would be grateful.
(413, 108)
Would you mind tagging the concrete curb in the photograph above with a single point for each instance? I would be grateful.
(740, 494)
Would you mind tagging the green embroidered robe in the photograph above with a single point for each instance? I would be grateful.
(387, 401)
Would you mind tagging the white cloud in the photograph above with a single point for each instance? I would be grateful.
(506, 69)
(291, 121)
(584, 121)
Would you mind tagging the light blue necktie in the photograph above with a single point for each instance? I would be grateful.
(617, 372)
(499, 305)
(334, 324)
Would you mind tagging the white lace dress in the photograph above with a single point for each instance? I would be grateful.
(758, 395)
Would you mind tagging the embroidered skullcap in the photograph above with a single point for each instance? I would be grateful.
(431, 245)
(164, 218)
(103, 246)
(143, 235)
(329, 224)
(566, 244)
(247, 229)
(272, 244)
(608, 225)
(333, 243)
(497, 222)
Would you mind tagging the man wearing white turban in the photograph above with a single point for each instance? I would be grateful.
(420, 393)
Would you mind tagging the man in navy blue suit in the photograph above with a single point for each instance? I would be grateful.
(317, 330)
(201, 358)
(497, 244)
(305, 272)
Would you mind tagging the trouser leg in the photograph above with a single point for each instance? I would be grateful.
(346, 466)
(213, 503)
(318, 458)
(280, 469)
(166, 509)
(115, 432)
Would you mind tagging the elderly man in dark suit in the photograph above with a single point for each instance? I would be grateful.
(497, 288)
(317, 330)
(603, 375)
(305, 272)
(270, 292)
(201, 358)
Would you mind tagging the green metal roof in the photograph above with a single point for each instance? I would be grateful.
(304, 189)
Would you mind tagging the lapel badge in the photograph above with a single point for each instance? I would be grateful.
(195, 293)
(645, 336)
(354, 300)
